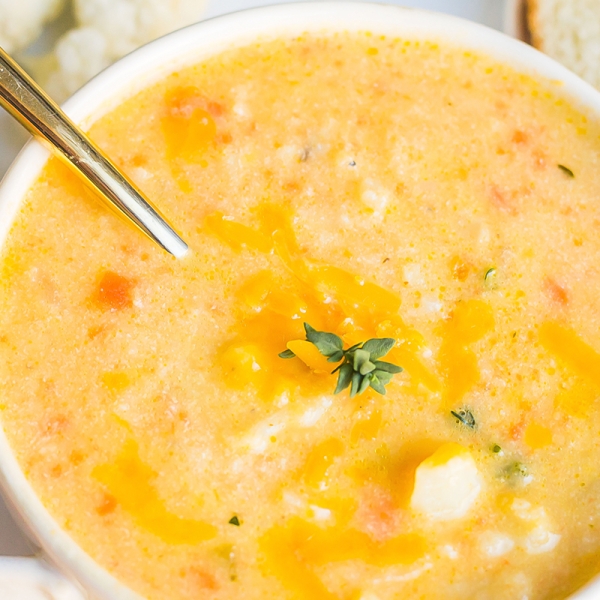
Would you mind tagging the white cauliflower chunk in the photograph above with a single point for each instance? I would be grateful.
(375, 200)
(260, 436)
(80, 54)
(313, 414)
(539, 538)
(447, 484)
(127, 24)
(106, 31)
(375, 197)
(22, 21)
(495, 544)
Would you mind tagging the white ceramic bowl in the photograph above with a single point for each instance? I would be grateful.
(193, 44)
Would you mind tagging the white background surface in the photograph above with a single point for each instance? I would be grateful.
(488, 12)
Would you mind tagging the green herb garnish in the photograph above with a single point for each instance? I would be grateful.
(234, 521)
(490, 273)
(567, 171)
(360, 366)
(515, 473)
(465, 417)
(496, 449)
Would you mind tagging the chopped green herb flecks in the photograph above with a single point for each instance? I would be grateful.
(360, 366)
(465, 417)
(497, 449)
(234, 521)
(567, 171)
(516, 473)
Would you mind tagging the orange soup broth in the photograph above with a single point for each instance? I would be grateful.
(371, 187)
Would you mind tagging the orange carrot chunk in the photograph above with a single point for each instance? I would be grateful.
(114, 291)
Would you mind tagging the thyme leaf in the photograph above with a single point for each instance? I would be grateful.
(490, 273)
(567, 171)
(344, 378)
(465, 417)
(360, 367)
(328, 344)
(378, 347)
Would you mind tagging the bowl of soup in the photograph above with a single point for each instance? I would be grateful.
(376, 372)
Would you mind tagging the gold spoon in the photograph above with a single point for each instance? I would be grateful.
(28, 103)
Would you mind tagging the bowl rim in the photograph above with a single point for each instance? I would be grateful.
(193, 44)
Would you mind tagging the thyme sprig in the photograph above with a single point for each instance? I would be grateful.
(464, 416)
(360, 366)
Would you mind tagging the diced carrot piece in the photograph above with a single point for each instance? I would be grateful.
(107, 506)
(76, 457)
(519, 137)
(556, 292)
(203, 579)
(499, 199)
(113, 291)
(378, 514)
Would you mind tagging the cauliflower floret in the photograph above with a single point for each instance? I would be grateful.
(493, 543)
(80, 54)
(446, 484)
(127, 24)
(107, 30)
(22, 21)
(539, 538)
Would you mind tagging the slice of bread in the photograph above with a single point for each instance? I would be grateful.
(569, 31)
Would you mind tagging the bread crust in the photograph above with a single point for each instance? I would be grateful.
(532, 12)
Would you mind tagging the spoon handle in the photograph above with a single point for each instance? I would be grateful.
(27, 102)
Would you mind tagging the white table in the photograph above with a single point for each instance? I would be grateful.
(488, 12)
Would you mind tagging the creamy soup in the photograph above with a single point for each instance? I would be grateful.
(371, 188)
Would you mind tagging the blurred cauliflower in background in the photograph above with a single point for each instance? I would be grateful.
(109, 29)
(104, 31)
(21, 21)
